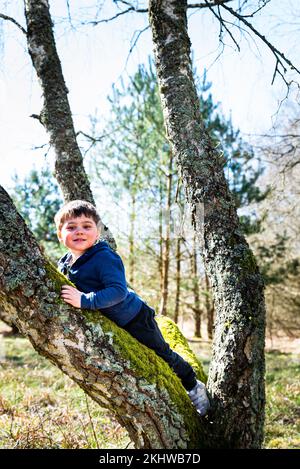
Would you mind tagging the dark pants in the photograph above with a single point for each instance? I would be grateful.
(145, 329)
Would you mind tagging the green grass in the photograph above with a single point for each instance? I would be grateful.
(283, 401)
(40, 407)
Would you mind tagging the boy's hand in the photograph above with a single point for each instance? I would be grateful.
(71, 295)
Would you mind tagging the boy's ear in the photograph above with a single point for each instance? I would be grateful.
(59, 236)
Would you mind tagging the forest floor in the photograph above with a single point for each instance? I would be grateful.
(40, 407)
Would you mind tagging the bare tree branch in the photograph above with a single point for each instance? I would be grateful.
(208, 4)
(222, 24)
(9, 18)
(121, 13)
(90, 137)
(257, 10)
(135, 41)
(281, 60)
(132, 8)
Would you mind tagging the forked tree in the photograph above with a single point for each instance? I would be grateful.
(114, 369)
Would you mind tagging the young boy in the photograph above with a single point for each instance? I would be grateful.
(99, 276)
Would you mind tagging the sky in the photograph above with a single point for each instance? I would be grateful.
(95, 57)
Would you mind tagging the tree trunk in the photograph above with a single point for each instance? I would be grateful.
(196, 290)
(119, 373)
(178, 278)
(56, 114)
(166, 256)
(209, 305)
(236, 376)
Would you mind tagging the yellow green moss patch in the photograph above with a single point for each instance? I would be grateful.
(180, 345)
(145, 362)
(153, 369)
(56, 276)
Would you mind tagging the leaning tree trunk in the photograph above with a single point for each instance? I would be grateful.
(56, 114)
(119, 373)
(236, 377)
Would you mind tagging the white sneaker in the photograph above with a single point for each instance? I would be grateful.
(199, 398)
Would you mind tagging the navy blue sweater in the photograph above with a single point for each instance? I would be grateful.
(99, 273)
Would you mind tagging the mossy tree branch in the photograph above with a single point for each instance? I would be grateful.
(119, 373)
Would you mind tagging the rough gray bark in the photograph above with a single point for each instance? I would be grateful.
(56, 114)
(129, 379)
(236, 376)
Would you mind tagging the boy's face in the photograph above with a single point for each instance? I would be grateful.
(78, 234)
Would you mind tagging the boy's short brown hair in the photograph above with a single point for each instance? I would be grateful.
(75, 209)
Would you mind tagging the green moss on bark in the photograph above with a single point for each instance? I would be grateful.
(155, 371)
(57, 277)
(148, 367)
(179, 344)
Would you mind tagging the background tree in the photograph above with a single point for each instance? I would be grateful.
(277, 244)
(37, 198)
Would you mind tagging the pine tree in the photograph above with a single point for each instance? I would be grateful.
(37, 197)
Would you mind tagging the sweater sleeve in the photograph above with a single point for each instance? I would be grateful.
(110, 270)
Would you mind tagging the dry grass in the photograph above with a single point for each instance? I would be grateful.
(40, 407)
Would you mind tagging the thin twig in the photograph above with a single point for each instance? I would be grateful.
(132, 8)
(280, 57)
(9, 18)
(222, 24)
(90, 137)
(256, 11)
(208, 5)
(69, 15)
(141, 31)
(107, 20)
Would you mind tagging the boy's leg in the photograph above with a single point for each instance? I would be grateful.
(145, 329)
